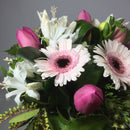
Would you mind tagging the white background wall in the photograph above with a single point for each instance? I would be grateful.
(17, 13)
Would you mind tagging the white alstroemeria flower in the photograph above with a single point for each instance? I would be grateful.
(55, 29)
(28, 66)
(19, 84)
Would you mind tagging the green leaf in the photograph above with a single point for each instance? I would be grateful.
(4, 71)
(24, 116)
(120, 21)
(13, 50)
(112, 19)
(108, 86)
(62, 118)
(89, 123)
(106, 30)
(91, 75)
(13, 63)
(30, 53)
(31, 125)
(11, 89)
(28, 99)
(55, 122)
(84, 28)
(127, 37)
(58, 99)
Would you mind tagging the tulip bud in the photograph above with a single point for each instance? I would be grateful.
(119, 36)
(26, 37)
(102, 25)
(83, 15)
(88, 99)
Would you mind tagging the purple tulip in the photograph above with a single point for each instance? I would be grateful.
(119, 35)
(26, 37)
(88, 99)
(84, 15)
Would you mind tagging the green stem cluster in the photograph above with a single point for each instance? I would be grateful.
(15, 111)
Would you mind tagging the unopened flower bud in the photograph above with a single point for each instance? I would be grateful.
(102, 25)
(119, 36)
(26, 37)
(84, 15)
(88, 99)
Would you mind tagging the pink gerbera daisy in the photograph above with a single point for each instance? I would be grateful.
(64, 62)
(115, 58)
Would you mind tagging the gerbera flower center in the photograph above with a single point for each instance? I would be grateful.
(116, 64)
(63, 62)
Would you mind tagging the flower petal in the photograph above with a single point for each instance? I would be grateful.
(33, 94)
(65, 44)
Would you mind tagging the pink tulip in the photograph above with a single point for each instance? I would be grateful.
(88, 99)
(83, 15)
(119, 35)
(26, 37)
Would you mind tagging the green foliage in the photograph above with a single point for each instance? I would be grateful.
(117, 23)
(85, 27)
(24, 116)
(13, 50)
(15, 111)
(58, 98)
(127, 37)
(11, 89)
(39, 122)
(119, 108)
(109, 87)
(28, 99)
(30, 53)
(91, 75)
(5, 72)
(55, 122)
(88, 123)
(12, 64)
(14, 61)
(111, 26)
(31, 124)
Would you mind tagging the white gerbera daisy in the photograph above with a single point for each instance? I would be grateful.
(55, 29)
(64, 62)
(115, 58)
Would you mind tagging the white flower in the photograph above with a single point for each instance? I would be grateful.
(56, 29)
(64, 62)
(18, 83)
(28, 66)
(115, 58)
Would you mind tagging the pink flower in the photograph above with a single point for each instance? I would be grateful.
(84, 15)
(120, 36)
(27, 37)
(64, 62)
(88, 99)
(114, 57)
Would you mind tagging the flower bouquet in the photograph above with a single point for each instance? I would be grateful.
(70, 76)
